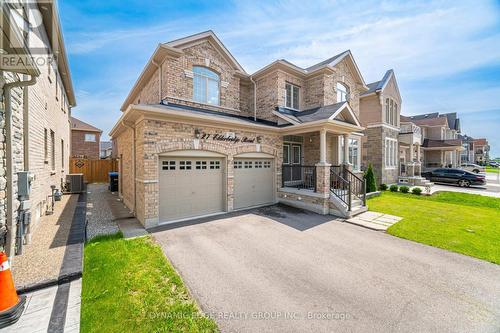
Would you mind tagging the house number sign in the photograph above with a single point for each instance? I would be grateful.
(226, 137)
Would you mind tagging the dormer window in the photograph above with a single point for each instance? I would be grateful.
(205, 85)
(292, 96)
(342, 92)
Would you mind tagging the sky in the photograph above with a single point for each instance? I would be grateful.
(446, 54)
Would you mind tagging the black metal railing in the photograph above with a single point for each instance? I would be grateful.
(340, 187)
(358, 185)
(299, 176)
(345, 184)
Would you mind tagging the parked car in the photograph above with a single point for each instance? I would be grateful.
(455, 176)
(494, 164)
(472, 167)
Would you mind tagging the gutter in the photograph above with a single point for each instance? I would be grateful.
(9, 165)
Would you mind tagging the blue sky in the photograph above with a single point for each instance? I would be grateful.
(446, 54)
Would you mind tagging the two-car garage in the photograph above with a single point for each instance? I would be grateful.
(195, 184)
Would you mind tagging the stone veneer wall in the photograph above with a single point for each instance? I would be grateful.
(154, 137)
(17, 154)
(374, 153)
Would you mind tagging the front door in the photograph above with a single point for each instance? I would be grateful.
(292, 157)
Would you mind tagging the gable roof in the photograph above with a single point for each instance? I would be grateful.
(327, 64)
(209, 35)
(439, 121)
(378, 86)
(78, 125)
(174, 49)
(342, 111)
(481, 142)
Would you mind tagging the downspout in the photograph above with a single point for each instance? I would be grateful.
(254, 99)
(133, 163)
(8, 154)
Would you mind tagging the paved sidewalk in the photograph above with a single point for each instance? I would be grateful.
(54, 309)
(374, 220)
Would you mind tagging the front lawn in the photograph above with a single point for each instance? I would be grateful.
(459, 222)
(492, 169)
(129, 286)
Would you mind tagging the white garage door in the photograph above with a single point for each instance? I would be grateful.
(253, 182)
(190, 187)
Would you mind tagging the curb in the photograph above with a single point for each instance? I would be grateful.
(49, 283)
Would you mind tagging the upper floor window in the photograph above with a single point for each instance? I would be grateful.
(391, 112)
(292, 96)
(205, 85)
(342, 92)
(89, 137)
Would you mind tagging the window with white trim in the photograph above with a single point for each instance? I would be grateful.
(292, 96)
(354, 155)
(206, 85)
(90, 137)
(342, 92)
(391, 112)
(391, 153)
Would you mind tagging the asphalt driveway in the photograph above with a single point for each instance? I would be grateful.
(279, 269)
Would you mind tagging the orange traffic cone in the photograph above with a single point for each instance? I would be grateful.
(11, 305)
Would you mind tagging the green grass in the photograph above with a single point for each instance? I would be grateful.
(459, 222)
(129, 286)
(492, 169)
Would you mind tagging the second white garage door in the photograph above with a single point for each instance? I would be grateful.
(190, 187)
(253, 182)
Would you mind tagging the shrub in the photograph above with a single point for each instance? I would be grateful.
(404, 189)
(393, 188)
(382, 187)
(416, 190)
(371, 185)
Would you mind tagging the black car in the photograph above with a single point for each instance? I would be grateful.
(455, 176)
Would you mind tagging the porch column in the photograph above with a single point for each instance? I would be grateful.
(346, 149)
(322, 146)
(412, 152)
(418, 153)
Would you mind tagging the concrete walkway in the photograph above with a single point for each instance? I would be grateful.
(374, 220)
(53, 309)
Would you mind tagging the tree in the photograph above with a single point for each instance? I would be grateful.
(371, 184)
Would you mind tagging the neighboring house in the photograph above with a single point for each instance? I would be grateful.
(200, 136)
(85, 140)
(380, 109)
(481, 151)
(468, 154)
(35, 106)
(441, 146)
(106, 150)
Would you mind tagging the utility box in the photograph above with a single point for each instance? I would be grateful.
(24, 180)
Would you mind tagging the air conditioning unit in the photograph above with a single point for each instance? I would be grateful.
(74, 183)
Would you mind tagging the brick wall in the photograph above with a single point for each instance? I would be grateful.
(80, 147)
(373, 151)
(154, 137)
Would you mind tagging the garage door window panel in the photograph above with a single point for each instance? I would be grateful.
(185, 165)
(201, 165)
(168, 165)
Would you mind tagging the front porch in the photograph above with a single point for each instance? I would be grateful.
(321, 172)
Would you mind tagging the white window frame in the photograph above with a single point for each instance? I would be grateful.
(391, 153)
(342, 90)
(206, 78)
(292, 95)
(87, 136)
(356, 167)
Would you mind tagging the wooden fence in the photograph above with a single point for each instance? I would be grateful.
(94, 171)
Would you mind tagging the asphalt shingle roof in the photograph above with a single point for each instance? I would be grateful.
(77, 124)
(318, 113)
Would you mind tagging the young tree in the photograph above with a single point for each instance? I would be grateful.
(371, 184)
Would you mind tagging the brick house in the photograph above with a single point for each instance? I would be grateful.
(441, 145)
(380, 110)
(35, 107)
(481, 151)
(85, 140)
(200, 136)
